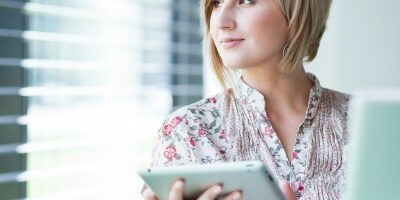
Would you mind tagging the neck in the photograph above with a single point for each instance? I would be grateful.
(280, 90)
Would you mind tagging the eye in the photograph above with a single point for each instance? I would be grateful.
(246, 2)
(216, 3)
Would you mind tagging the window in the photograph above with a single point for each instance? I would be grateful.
(84, 87)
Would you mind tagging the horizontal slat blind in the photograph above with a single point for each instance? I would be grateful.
(84, 86)
(12, 105)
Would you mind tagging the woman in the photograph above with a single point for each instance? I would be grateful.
(276, 112)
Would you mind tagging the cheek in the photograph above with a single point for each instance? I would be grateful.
(213, 29)
(268, 26)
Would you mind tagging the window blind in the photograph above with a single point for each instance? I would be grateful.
(84, 86)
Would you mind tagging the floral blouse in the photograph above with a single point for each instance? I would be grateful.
(234, 126)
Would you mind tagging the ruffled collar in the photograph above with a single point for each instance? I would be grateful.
(250, 96)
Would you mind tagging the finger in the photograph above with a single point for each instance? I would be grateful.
(148, 195)
(176, 192)
(234, 196)
(287, 191)
(211, 193)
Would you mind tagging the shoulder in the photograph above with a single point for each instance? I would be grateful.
(333, 112)
(201, 107)
(335, 100)
(202, 114)
(335, 94)
(186, 131)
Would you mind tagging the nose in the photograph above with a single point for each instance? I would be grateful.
(225, 17)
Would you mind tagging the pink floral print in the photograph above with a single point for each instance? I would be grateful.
(203, 132)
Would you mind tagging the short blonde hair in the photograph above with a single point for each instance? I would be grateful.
(306, 21)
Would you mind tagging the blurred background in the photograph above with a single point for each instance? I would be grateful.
(85, 84)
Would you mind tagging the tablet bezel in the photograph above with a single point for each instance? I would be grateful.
(250, 177)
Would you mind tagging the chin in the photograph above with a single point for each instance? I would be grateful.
(235, 67)
(232, 64)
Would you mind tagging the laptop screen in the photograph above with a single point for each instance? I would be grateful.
(374, 157)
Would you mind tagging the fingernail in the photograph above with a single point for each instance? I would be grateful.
(236, 196)
(178, 185)
(217, 189)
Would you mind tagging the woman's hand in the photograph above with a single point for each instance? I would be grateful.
(287, 191)
(176, 193)
(147, 194)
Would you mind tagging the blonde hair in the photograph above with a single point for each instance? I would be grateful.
(306, 21)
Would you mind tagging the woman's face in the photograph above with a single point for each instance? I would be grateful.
(248, 33)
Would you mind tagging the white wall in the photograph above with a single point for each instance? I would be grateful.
(361, 46)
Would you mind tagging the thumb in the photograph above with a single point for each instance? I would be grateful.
(287, 191)
(147, 195)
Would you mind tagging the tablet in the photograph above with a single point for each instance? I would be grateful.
(252, 178)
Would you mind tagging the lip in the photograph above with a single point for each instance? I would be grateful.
(230, 42)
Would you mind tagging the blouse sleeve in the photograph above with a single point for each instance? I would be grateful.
(171, 147)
